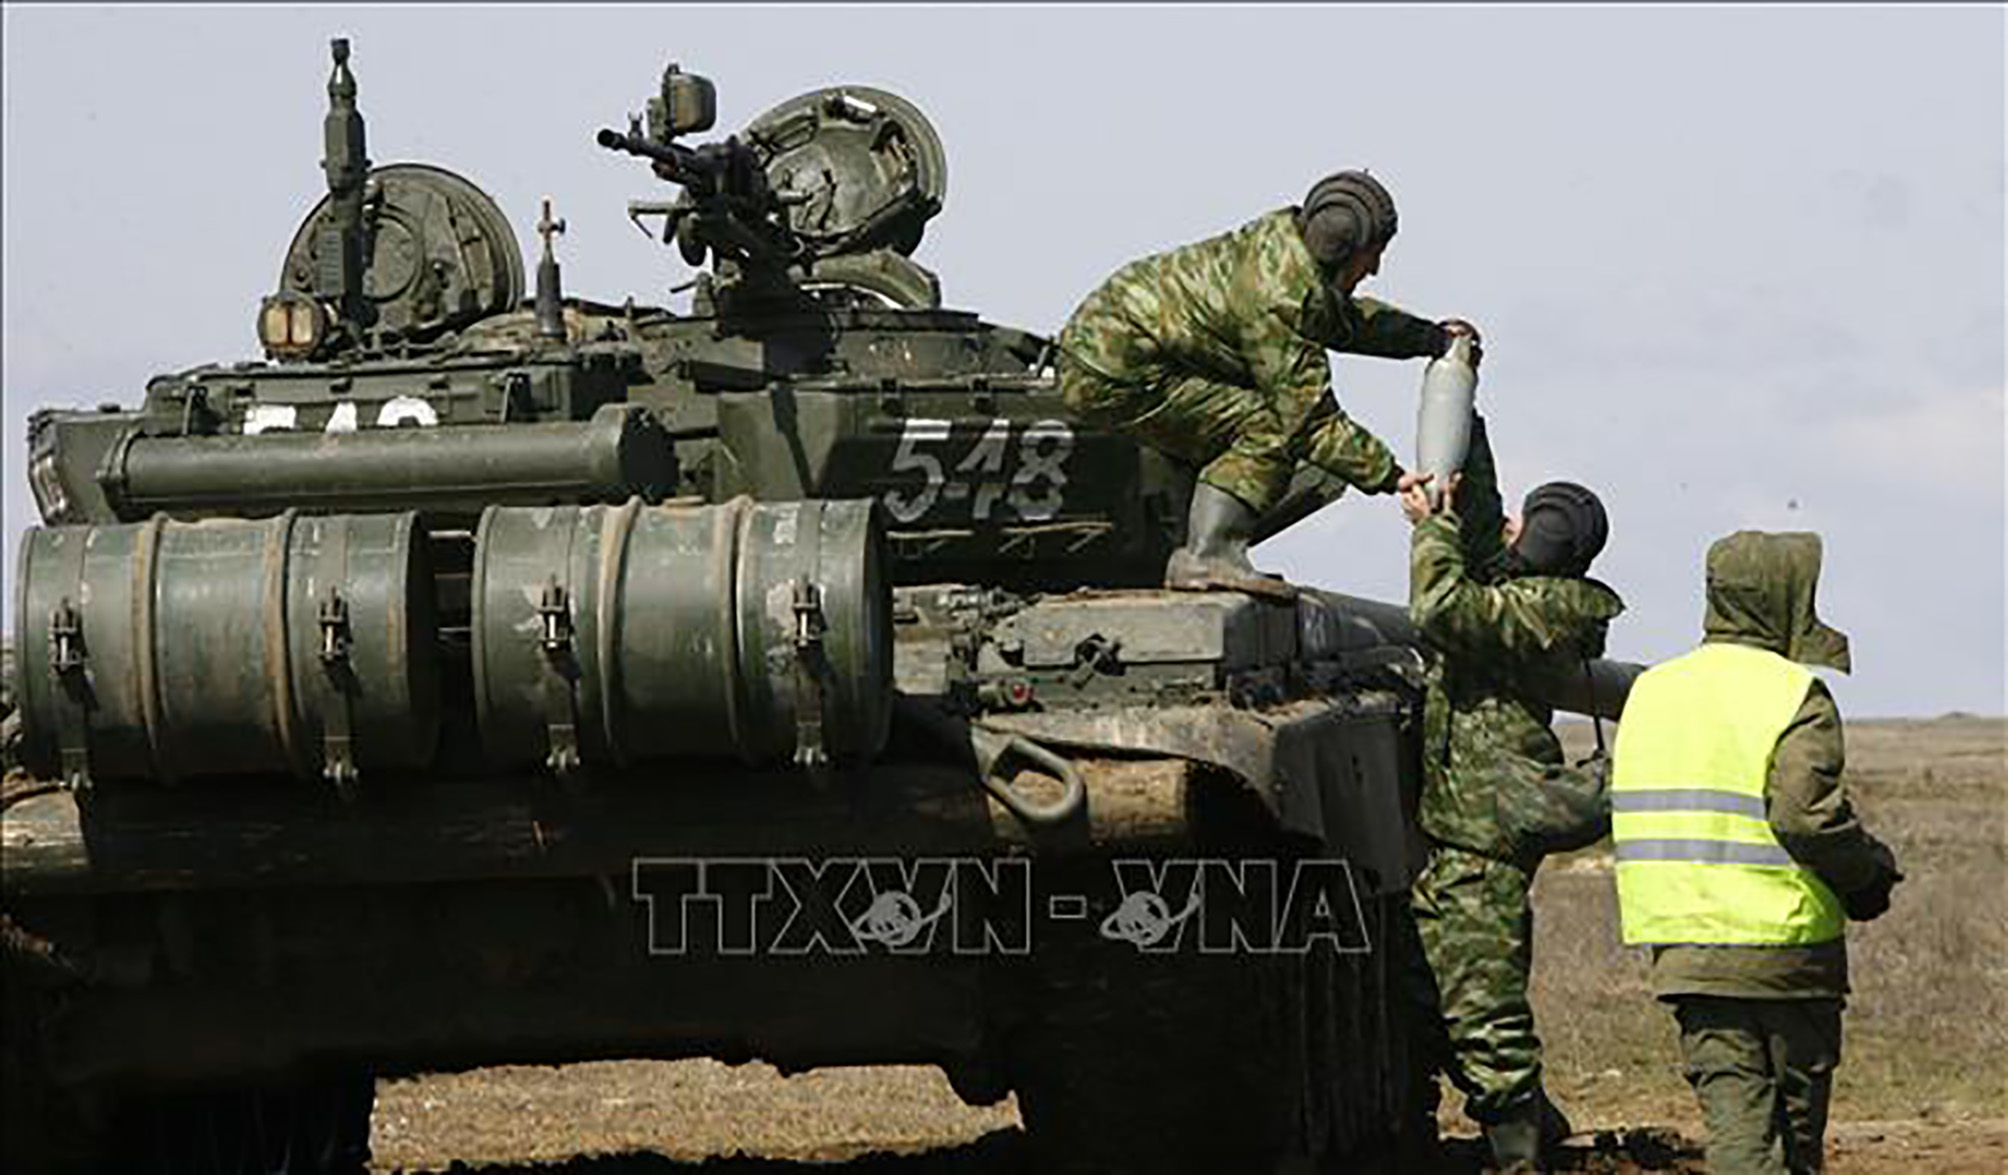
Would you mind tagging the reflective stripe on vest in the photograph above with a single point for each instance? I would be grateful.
(1696, 859)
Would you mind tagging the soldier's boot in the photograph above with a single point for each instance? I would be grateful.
(1555, 1128)
(1516, 1140)
(1215, 555)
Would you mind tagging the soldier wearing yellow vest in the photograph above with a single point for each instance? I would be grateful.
(1739, 858)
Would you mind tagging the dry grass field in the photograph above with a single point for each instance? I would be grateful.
(1923, 1087)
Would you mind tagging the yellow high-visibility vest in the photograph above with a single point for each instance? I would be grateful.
(1696, 859)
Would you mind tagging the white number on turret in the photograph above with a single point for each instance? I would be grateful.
(1034, 491)
(1038, 489)
(396, 412)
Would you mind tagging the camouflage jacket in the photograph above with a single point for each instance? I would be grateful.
(1493, 770)
(1249, 308)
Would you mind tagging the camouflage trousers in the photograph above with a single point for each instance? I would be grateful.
(1475, 929)
(1763, 1071)
(1202, 422)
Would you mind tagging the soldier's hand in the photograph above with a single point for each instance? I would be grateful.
(1886, 857)
(1414, 491)
(1455, 327)
(1871, 901)
(1416, 503)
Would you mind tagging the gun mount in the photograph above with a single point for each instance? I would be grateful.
(830, 191)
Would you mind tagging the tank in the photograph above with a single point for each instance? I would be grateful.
(487, 674)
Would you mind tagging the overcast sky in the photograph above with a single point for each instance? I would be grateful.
(1734, 267)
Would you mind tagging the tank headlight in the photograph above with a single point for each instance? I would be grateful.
(291, 326)
(46, 484)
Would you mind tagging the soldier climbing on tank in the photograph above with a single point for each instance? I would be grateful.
(1215, 354)
(1500, 606)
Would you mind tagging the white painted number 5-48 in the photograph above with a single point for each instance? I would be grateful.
(1035, 490)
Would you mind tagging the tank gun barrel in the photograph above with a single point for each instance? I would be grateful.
(1598, 691)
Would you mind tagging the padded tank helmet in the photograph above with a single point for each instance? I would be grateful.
(1563, 528)
(1345, 212)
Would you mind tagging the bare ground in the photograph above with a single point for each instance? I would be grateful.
(1923, 1087)
(659, 1118)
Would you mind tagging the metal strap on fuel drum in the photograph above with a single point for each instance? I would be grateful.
(561, 670)
(336, 656)
(277, 556)
(730, 525)
(145, 640)
(616, 529)
(811, 665)
(69, 665)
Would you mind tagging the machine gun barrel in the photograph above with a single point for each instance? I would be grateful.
(676, 163)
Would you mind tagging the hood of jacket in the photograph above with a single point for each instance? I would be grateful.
(1761, 589)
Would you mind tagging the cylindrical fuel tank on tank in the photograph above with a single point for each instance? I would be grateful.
(622, 451)
(610, 635)
(166, 650)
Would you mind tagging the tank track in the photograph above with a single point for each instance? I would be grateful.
(1127, 1061)
(307, 1125)
(311, 1125)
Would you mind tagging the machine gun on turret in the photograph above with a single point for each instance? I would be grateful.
(830, 189)
(728, 208)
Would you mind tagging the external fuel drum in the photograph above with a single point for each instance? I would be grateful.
(609, 635)
(167, 649)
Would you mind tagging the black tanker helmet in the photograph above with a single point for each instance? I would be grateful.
(1346, 212)
(1562, 528)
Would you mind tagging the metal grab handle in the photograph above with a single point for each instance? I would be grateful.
(992, 748)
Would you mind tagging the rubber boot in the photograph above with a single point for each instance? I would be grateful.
(1515, 1140)
(1215, 554)
(1555, 1129)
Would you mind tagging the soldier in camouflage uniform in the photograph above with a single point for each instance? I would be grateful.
(1215, 353)
(1498, 606)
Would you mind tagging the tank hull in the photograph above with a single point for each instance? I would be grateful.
(504, 920)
